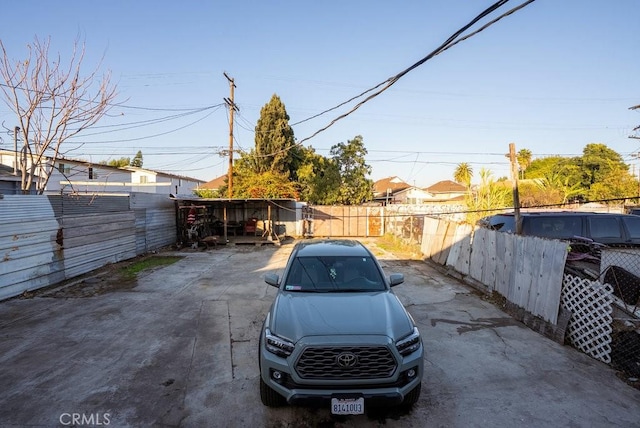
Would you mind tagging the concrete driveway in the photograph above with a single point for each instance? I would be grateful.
(180, 349)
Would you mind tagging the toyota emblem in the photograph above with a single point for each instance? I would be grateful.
(347, 359)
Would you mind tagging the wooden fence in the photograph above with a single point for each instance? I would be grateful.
(346, 221)
(527, 271)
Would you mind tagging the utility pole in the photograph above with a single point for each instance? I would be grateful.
(637, 156)
(514, 179)
(232, 109)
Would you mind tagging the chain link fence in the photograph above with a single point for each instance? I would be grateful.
(406, 226)
(614, 272)
(620, 268)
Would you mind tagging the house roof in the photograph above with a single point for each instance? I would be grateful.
(125, 168)
(394, 184)
(166, 174)
(214, 184)
(446, 186)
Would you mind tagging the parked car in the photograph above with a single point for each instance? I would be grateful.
(605, 228)
(632, 210)
(337, 334)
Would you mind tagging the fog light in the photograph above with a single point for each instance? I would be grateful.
(411, 373)
(276, 375)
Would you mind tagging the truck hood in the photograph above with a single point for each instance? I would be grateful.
(298, 315)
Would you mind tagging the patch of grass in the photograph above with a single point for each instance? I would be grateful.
(131, 271)
(396, 245)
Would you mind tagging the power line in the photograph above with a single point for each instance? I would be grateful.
(383, 86)
(450, 42)
(121, 105)
(142, 123)
(146, 137)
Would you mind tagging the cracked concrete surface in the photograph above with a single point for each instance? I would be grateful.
(180, 349)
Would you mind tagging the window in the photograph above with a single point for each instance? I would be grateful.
(64, 169)
(633, 225)
(92, 174)
(604, 227)
(314, 273)
(143, 179)
(558, 227)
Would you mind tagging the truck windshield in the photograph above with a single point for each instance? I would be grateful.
(329, 273)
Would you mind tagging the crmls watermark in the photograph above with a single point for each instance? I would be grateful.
(79, 419)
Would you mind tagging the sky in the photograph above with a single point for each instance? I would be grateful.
(550, 78)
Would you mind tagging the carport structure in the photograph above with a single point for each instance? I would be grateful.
(236, 221)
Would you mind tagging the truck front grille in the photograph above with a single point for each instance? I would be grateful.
(343, 363)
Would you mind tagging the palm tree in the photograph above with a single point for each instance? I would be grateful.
(489, 195)
(552, 182)
(524, 160)
(463, 174)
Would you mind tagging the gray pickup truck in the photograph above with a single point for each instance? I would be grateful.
(336, 333)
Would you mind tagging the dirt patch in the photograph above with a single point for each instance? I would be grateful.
(108, 280)
(122, 276)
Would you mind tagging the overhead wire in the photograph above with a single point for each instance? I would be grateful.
(235, 140)
(142, 123)
(383, 86)
(207, 167)
(450, 42)
(121, 105)
(148, 136)
(247, 124)
(137, 124)
(159, 109)
(118, 127)
(379, 88)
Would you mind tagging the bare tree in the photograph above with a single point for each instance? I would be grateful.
(53, 102)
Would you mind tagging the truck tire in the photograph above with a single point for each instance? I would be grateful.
(269, 397)
(412, 397)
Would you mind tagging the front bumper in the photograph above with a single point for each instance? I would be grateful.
(298, 391)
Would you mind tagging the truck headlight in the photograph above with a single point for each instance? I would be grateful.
(409, 344)
(276, 345)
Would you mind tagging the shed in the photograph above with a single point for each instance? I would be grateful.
(236, 220)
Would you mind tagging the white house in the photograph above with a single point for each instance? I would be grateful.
(411, 195)
(385, 190)
(392, 190)
(447, 191)
(76, 176)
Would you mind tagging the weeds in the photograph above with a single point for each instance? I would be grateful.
(396, 245)
(131, 271)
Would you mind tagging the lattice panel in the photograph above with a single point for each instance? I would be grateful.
(590, 326)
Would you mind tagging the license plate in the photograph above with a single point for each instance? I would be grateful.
(347, 406)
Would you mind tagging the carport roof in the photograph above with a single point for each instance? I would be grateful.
(196, 199)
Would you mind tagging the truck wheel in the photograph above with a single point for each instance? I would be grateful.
(269, 397)
(412, 397)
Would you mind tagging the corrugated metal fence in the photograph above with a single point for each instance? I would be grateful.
(47, 239)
